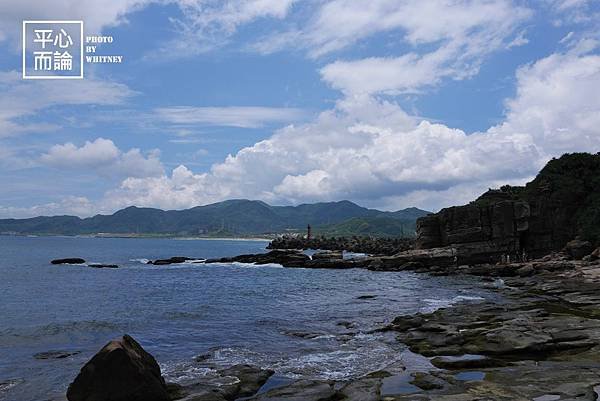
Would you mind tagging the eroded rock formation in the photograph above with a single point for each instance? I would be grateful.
(562, 202)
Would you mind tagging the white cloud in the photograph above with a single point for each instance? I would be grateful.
(520, 40)
(104, 157)
(207, 24)
(202, 26)
(244, 117)
(394, 75)
(96, 13)
(574, 12)
(339, 23)
(72, 205)
(372, 152)
(20, 98)
(443, 40)
(557, 104)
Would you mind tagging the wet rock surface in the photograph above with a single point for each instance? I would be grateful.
(301, 390)
(235, 382)
(542, 339)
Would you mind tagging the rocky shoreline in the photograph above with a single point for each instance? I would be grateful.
(540, 342)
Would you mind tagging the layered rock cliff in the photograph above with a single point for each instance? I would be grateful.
(561, 203)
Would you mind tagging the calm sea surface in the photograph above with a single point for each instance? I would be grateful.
(296, 321)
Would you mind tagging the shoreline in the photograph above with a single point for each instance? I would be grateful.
(540, 340)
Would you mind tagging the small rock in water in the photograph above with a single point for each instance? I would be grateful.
(121, 371)
(366, 297)
(55, 354)
(302, 334)
(174, 259)
(68, 261)
(346, 324)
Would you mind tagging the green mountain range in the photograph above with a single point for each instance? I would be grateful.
(238, 217)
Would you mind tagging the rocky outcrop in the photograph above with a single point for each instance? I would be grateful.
(539, 341)
(332, 255)
(483, 232)
(170, 261)
(68, 261)
(286, 258)
(121, 371)
(517, 223)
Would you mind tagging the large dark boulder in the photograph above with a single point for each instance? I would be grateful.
(121, 371)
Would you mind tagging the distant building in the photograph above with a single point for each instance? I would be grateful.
(308, 232)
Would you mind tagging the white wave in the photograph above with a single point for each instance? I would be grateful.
(460, 298)
(184, 372)
(435, 304)
(254, 265)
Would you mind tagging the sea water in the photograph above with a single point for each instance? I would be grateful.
(303, 323)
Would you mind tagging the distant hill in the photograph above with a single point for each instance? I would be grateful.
(239, 217)
(393, 224)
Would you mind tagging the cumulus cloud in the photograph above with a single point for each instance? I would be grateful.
(103, 156)
(243, 117)
(371, 151)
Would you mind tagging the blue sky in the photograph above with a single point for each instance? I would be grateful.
(390, 103)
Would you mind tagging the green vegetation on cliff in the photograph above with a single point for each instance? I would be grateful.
(370, 227)
(571, 184)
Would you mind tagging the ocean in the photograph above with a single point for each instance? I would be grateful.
(303, 323)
